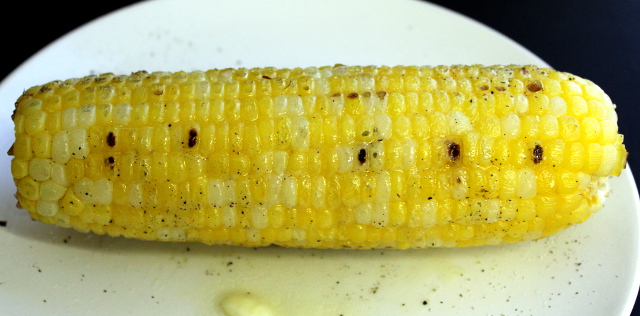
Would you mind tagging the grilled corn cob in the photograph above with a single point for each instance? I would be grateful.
(330, 157)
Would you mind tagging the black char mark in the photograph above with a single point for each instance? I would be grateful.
(362, 156)
(193, 137)
(537, 154)
(110, 162)
(453, 151)
(111, 139)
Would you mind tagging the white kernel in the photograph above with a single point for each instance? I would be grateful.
(459, 123)
(86, 116)
(84, 190)
(346, 158)
(104, 113)
(122, 113)
(383, 187)
(274, 193)
(492, 209)
(383, 126)
(362, 214)
(222, 192)
(327, 72)
(145, 139)
(290, 191)
(215, 192)
(59, 175)
(171, 234)
(321, 86)
(526, 187)
(409, 149)
(459, 189)
(375, 155)
(428, 213)
(280, 159)
(229, 215)
(78, 143)
(40, 169)
(47, 208)
(280, 105)
(60, 152)
(51, 191)
(312, 72)
(294, 105)
(259, 217)
(134, 193)
(69, 119)
(336, 104)
(300, 137)
(253, 235)
(557, 106)
(366, 82)
(521, 103)
(584, 180)
(319, 186)
(609, 160)
(103, 191)
(380, 215)
(510, 125)
(298, 234)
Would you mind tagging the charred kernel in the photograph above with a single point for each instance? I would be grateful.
(45, 89)
(454, 151)
(381, 94)
(110, 162)
(501, 88)
(336, 95)
(484, 87)
(537, 154)
(266, 77)
(534, 86)
(362, 156)
(111, 139)
(524, 70)
(193, 137)
(352, 95)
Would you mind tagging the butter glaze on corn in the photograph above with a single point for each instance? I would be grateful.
(329, 157)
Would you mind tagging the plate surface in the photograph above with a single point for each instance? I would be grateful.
(589, 269)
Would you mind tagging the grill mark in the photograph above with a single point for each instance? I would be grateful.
(193, 137)
(362, 156)
(111, 139)
(537, 154)
(453, 151)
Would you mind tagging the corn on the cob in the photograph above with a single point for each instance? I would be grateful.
(329, 157)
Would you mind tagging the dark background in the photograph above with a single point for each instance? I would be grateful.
(598, 40)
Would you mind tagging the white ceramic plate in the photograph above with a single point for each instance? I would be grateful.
(590, 269)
